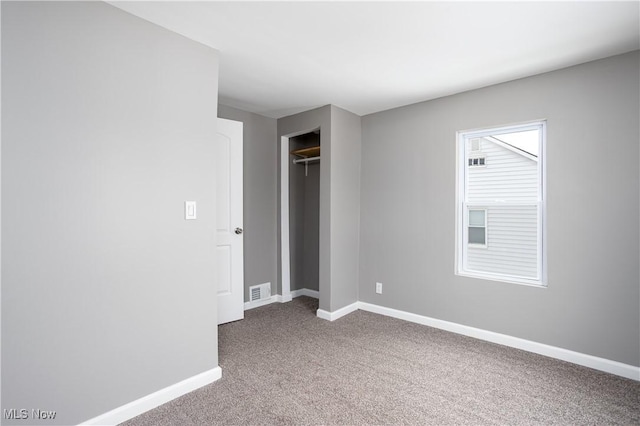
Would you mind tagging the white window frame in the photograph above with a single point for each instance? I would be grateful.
(462, 207)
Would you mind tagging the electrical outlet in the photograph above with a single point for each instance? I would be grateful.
(379, 288)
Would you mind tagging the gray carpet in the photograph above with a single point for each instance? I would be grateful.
(282, 365)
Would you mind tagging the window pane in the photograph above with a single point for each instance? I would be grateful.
(477, 236)
(476, 217)
(513, 249)
(503, 197)
(513, 173)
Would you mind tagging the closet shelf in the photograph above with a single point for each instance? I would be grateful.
(313, 151)
(306, 156)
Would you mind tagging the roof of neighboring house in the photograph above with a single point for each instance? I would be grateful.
(517, 149)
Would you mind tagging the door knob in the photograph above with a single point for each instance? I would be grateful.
(238, 231)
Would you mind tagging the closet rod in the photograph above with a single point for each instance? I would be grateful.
(305, 160)
(306, 163)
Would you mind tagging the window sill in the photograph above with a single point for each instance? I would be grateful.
(502, 278)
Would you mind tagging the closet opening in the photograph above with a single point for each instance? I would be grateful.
(301, 179)
(304, 213)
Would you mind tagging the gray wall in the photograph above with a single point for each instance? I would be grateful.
(591, 304)
(345, 206)
(311, 243)
(340, 139)
(260, 196)
(319, 118)
(108, 294)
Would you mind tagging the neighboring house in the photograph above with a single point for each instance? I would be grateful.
(502, 237)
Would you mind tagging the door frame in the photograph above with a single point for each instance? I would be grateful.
(285, 254)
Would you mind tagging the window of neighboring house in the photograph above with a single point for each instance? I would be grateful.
(501, 205)
(476, 162)
(477, 227)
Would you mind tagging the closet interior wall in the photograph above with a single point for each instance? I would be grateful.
(304, 216)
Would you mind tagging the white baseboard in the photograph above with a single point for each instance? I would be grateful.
(258, 303)
(146, 403)
(332, 316)
(284, 298)
(305, 292)
(276, 298)
(602, 364)
(597, 363)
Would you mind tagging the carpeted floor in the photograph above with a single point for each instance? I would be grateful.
(282, 365)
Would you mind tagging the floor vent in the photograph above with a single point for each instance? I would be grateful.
(260, 292)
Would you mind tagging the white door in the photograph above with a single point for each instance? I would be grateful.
(229, 221)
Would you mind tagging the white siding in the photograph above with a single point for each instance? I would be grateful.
(507, 187)
(507, 176)
(511, 242)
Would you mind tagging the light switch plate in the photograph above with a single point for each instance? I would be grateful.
(189, 210)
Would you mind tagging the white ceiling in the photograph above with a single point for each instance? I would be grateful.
(279, 58)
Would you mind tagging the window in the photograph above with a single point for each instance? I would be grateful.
(477, 227)
(476, 162)
(501, 204)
